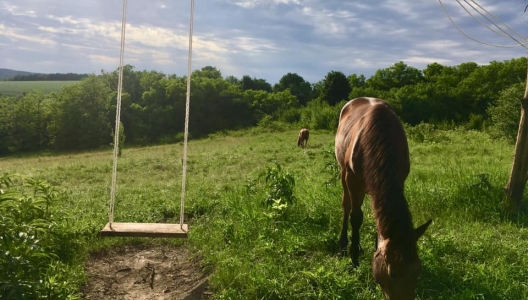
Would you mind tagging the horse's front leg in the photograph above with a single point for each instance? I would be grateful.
(356, 218)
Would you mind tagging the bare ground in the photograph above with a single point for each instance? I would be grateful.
(145, 272)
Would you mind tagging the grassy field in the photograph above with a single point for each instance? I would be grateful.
(473, 250)
(16, 88)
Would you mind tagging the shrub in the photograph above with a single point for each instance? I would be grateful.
(505, 114)
(320, 115)
(30, 242)
(280, 187)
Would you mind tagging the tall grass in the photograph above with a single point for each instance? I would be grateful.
(289, 249)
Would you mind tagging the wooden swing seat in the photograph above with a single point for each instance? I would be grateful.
(145, 230)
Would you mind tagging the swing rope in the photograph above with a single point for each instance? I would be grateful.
(118, 115)
(187, 102)
(118, 118)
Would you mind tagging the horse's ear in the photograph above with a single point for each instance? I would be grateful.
(418, 232)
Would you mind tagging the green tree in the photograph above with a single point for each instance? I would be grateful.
(357, 81)
(249, 83)
(396, 76)
(24, 122)
(297, 86)
(208, 72)
(336, 87)
(505, 113)
(483, 85)
(80, 115)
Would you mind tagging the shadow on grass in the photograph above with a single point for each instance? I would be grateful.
(444, 278)
(481, 200)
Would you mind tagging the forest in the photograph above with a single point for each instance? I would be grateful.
(82, 116)
(47, 77)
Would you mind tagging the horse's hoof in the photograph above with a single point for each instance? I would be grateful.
(361, 251)
(354, 265)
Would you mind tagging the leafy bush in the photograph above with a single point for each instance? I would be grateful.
(30, 241)
(425, 133)
(319, 114)
(290, 115)
(476, 122)
(333, 169)
(506, 113)
(280, 187)
(268, 124)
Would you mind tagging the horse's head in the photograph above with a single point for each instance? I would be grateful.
(396, 266)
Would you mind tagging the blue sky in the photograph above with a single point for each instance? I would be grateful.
(261, 38)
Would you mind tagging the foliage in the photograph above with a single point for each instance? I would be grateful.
(30, 243)
(333, 170)
(49, 77)
(320, 115)
(396, 76)
(80, 116)
(280, 186)
(248, 83)
(336, 87)
(297, 86)
(24, 122)
(505, 114)
(426, 133)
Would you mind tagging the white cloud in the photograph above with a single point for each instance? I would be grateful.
(255, 3)
(424, 60)
(261, 38)
(15, 34)
(103, 59)
(17, 11)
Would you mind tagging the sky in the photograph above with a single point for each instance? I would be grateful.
(260, 38)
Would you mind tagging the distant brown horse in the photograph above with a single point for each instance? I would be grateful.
(302, 140)
(372, 151)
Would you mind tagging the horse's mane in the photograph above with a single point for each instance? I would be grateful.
(385, 167)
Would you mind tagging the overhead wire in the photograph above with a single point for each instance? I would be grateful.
(480, 21)
(496, 18)
(519, 44)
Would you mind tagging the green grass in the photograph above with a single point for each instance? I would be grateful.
(473, 250)
(17, 88)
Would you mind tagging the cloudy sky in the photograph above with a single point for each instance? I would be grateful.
(261, 38)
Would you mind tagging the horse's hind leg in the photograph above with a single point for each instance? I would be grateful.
(347, 207)
(357, 195)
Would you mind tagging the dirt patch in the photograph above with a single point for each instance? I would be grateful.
(145, 272)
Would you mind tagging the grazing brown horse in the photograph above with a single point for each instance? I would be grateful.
(372, 151)
(302, 140)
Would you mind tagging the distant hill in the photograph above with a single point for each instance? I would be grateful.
(8, 73)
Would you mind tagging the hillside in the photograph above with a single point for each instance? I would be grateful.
(7, 73)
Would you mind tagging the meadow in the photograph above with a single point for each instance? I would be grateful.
(278, 238)
(17, 88)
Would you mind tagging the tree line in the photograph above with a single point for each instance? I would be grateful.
(82, 116)
(48, 77)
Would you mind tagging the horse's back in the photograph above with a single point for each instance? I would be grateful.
(369, 136)
(304, 134)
